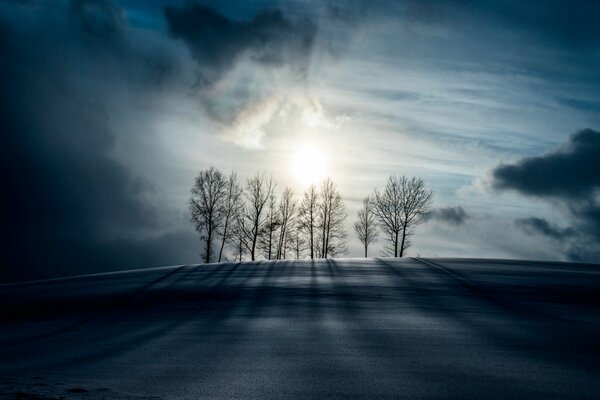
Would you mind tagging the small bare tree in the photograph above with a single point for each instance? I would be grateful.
(287, 211)
(206, 206)
(331, 214)
(258, 191)
(231, 210)
(366, 225)
(307, 217)
(399, 208)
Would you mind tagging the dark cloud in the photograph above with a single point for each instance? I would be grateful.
(568, 178)
(451, 215)
(99, 19)
(549, 20)
(67, 206)
(541, 226)
(217, 42)
(571, 172)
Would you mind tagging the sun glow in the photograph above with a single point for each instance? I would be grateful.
(309, 164)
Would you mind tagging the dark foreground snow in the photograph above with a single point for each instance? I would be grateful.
(379, 328)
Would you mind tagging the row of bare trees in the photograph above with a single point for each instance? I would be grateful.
(253, 220)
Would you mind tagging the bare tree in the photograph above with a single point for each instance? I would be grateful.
(399, 208)
(416, 203)
(239, 235)
(307, 217)
(366, 225)
(387, 207)
(258, 191)
(206, 206)
(267, 239)
(331, 214)
(287, 211)
(231, 209)
(298, 243)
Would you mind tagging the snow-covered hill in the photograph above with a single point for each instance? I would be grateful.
(357, 328)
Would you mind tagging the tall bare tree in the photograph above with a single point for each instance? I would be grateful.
(239, 235)
(331, 214)
(298, 243)
(307, 217)
(206, 206)
(387, 207)
(258, 191)
(366, 225)
(416, 203)
(268, 237)
(287, 212)
(399, 208)
(231, 209)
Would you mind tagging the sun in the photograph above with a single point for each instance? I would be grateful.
(309, 164)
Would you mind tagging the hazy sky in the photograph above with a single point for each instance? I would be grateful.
(110, 108)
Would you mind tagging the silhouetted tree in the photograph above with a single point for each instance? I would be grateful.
(416, 203)
(231, 210)
(298, 243)
(366, 225)
(258, 191)
(239, 234)
(287, 212)
(206, 206)
(268, 238)
(331, 214)
(307, 217)
(399, 208)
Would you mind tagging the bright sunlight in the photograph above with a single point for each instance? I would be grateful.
(309, 164)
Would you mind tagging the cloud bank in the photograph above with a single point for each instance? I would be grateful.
(568, 173)
(69, 207)
(217, 43)
(567, 178)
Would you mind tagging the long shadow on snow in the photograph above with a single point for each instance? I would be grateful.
(495, 319)
(103, 326)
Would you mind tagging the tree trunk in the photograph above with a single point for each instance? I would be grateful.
(323, 244)
(365, 251)
(282, 239)
(403, 239)
(326, 251)
(208, 245)
(396, 245)
(223, 241)
(255, 237)
(312, 247)
(270, 244)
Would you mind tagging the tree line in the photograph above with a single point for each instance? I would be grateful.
(251, 220)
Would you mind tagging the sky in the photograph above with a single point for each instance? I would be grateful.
(110, 108)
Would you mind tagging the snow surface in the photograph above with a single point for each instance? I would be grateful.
(356, 328)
